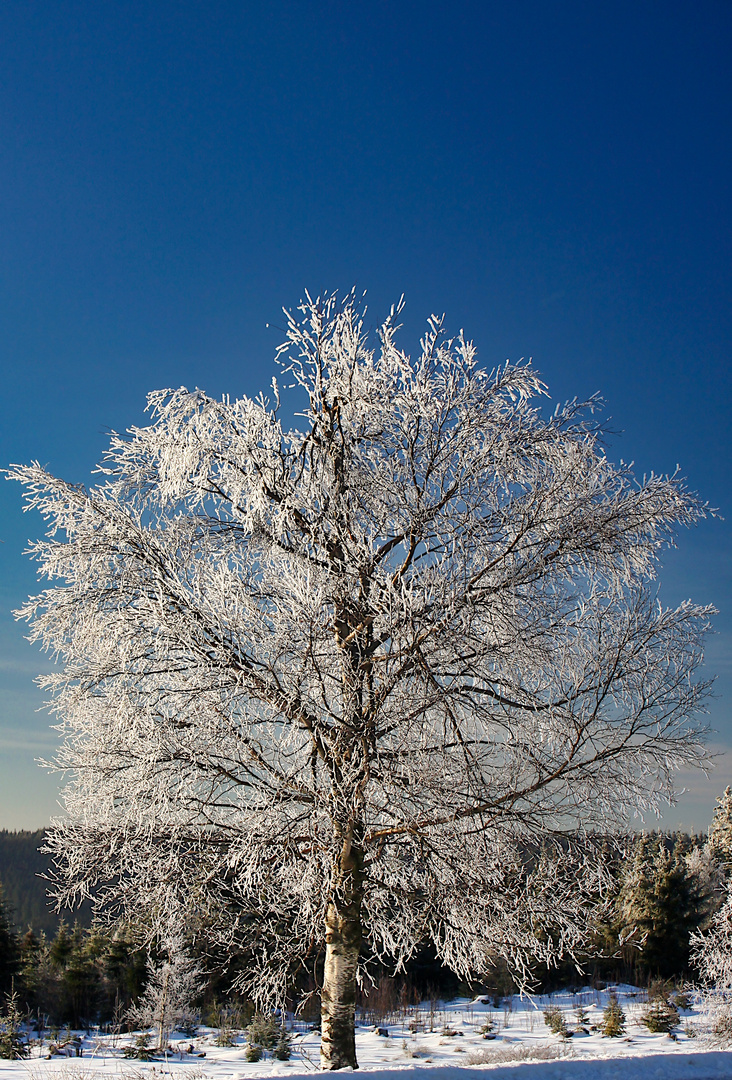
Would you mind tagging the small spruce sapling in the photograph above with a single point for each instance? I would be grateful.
(13, 1046)
(583, 1018)
(263, 1031)
(554, 1020)
(283, 1047)
(141, 1050)
(613, 1019)
(660, 1016)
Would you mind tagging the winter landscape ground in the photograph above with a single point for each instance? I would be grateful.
(426, 1040)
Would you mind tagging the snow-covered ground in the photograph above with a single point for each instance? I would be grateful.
(428, 1041)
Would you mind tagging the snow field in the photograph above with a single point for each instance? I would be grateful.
(440, 1039)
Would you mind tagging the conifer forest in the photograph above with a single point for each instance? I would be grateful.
(668, 889)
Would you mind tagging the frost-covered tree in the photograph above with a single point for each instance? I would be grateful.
(707, 876)
(337, 688)
(720, 830)
(712, 949)
(712, 957)
(174, 982)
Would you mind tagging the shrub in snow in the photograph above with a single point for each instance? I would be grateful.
(488, 1028)
(660, 990)
(228, 1020)
(718, 1012)
(226, 1036)
(141, 1049)
(519, 1053)
(681, 999)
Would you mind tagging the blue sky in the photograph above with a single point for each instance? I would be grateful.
(555, 177)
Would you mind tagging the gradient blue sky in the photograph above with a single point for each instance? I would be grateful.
(555, 177)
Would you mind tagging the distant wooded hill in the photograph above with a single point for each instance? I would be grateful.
(25, 892)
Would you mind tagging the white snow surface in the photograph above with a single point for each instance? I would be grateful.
(523, 1049)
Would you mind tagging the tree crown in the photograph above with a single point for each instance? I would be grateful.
(406, 641)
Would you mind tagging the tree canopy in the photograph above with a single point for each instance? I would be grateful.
(338, 687)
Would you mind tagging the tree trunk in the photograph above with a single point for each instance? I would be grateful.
(342, 946)
(163, 1009)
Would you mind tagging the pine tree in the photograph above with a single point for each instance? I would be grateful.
(32, 947)
(660, 1015)
(658, 906)
(124, 968)
(283, 1049)
(613, 1018)
(263, 1031)
(708, 875)
(582, 1017)
(82, 977)
(12, 1044)
(61, 947)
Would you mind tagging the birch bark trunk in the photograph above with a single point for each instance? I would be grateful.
(342, 946)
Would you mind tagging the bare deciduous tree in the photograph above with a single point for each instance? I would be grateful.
(339, 687)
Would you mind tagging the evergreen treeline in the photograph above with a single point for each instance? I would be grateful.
(26, 893)
(668, 886)
(81, 976)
